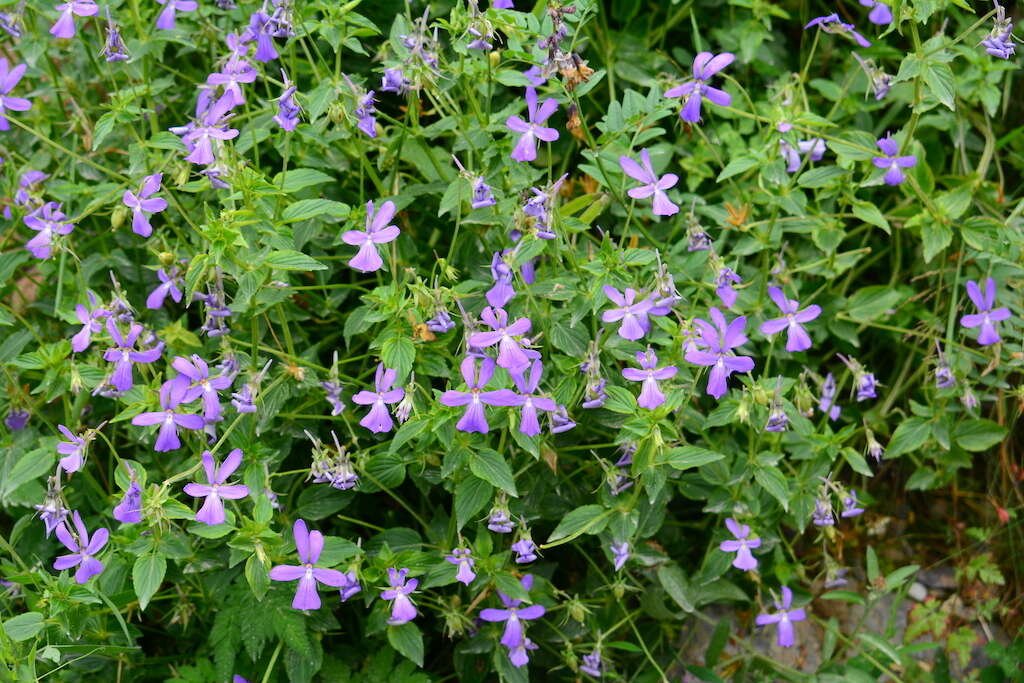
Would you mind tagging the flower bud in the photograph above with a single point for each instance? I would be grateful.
(118, 216)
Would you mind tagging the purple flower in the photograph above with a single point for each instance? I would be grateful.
(379, 420)
(482, 194)
(16, 420)
(9, 78)
(797, 338)
(308, 545)
(123, 354)
(863, 380)
(525, 550)
(114, 49)
(560, 420)
(402, 608)
(822, 515)
(518, 654)
(195, 381)
(83, 549)
(880, 13)
(850, 505)
(813, 148)
(377, 232)
(481, 41)
(52, 511)
(30, 181)
(532, 130)
(212, 512)
(394, 81)
(631, 312)
(73, 450)
(441, 322)
(592, 664)
(539, 208)
(784, 617)
(720, 339)
(211, 125)
(90, 325)
(830, 23)
(778, 421)
(828, 394)
(351, 585)
(725, 280)
(129, 510)
(535, 75)
(510, 353)
(499, 521)
(741, 546)
(531, 402)
(595, 393)
(461, 558)
(892, 161)
(652, 184)
(171, 7)
(64, 27)
(502, 292)
(999, 42)
(620, 554)
(365, 113)
(503, 4)
(333, 390)
(986, 317)
(650, 374)
(705, 65)
(475, 419)
(144, 203)
(48, 220)
(169, 284)
(236, 71)
(288, 109)
(260, 27)
(513, 615)
(169, 418)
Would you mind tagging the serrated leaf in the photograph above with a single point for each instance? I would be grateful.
(311, 208)
(941, 84)
(909, 436)
(774, 482)
(298, 178)
(620, 400)
(491, 467)
(822, 176)
(978, 435)
(408, 641)
(147, 575)
(687, 457)
(737, 166)
(676, 585)
(24, 626)
(287, 259)
(586, 519)
(471, 495)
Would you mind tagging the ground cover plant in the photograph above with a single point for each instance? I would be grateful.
(422, 341)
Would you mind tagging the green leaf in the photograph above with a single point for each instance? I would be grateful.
(978, 435)
(491, 467)
(620, 400)
(471, 495)
(398, 352)
(873, 302)
(288, 259)
(311, 208)
(586, 519)
(24, 626)
(941, 84)
(870, 214)
(257, 574)
(408, 641)
(822, 176)
(674, 581)
(104, 126)
(857, 462)
(687, 457)
(298, 178)
(935, 236)
(845, 596)
(737, 166)
(147, 575)
(774, 482)
(909, 436)
(872, 562)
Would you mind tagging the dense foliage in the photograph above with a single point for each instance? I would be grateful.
(408, 341)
